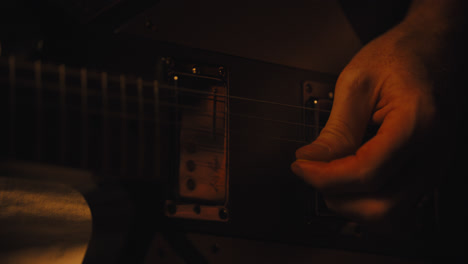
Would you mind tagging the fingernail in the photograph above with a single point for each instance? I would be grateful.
(314, 151)
(297, 169)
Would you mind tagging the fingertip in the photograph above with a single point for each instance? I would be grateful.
(304, 168)
(314, 151)
(297, 169)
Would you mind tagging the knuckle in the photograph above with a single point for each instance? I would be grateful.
(375, 211)
(353, 80)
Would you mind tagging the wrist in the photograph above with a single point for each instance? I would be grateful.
(433, 30)
(442, 18)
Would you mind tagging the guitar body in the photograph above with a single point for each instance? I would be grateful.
(190, 152)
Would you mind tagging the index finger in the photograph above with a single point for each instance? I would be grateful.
(362, 171)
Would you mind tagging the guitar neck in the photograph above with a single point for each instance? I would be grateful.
(80, 118)
(107, 123)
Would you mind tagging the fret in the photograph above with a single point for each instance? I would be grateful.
(176, 110)
(157, 149)
(63, 111)
(141, 139)
(123, 135)
(12, 81)
(84, 118)
(214, 90)
(105, 120)
(39, 107)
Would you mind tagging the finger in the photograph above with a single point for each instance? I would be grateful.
(350, 114)
(389, 205)
(362, 209)
(365, 170)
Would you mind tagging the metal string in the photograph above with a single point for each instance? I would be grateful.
(29, 66)
(76, 90)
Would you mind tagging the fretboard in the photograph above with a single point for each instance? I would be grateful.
(107, 123)
(110, 124)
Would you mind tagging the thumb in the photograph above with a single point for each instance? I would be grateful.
(344, 130)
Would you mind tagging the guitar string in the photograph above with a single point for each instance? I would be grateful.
(289, 123)
(133, 82)
(135, 99)
(207, 114)
(75, 90)
(193, 92)
(206, 130)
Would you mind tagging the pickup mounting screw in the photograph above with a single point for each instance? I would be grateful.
(221, 71)
(308, 88)
(171, 208)
(191, 184)
(215, 248)
(190, 165)
(223, 213)
(197, 209)
(149, 24)
(191, 147)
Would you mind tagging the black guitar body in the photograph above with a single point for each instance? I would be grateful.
(150, 144)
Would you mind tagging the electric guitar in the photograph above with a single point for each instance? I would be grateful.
(183, 154)
(204, 147)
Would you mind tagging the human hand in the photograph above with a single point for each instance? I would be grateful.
(392, 83)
